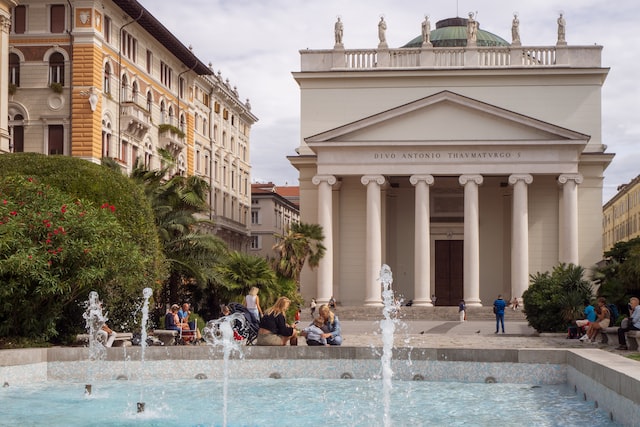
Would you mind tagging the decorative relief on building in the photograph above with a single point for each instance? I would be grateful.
(83, 17)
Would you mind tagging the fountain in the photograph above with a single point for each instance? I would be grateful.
(146, 293)
(94, 321)
(220, 332)
(388, 326)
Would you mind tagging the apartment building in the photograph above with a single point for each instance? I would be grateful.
(94, 79)
(621, 215)
(273, 210)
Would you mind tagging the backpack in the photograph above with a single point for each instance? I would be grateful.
(613, 312)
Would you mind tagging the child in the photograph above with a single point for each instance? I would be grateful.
(313, 333)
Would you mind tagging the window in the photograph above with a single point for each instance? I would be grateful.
(107, 29)
(14, 69)
(129, 46)
(16, 130)
(255, 218)
(255, 242)
(106, 84)
(181, 88)
(166, 74)
(56, 139)
(149, 101)
(56, 68)
(134, 92)
(20, 19)
(149, 61)
(124, 88)
(56, 23)
(204, 127)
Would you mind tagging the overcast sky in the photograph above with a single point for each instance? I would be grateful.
(255, 44)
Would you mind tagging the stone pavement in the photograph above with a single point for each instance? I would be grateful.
(446, 333)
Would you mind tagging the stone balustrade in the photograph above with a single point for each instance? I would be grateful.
(451, 57)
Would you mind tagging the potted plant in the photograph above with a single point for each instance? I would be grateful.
(56, 87)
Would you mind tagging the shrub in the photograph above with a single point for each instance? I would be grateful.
(95, 185)
(55, 249)
(554, 299)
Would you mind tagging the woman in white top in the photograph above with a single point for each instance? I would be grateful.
(252, 301)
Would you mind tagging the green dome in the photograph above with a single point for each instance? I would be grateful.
(452, 32)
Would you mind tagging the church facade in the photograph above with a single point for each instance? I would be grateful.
(465, 168)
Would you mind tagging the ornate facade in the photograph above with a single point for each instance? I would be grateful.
(463, 166)
(94, 79)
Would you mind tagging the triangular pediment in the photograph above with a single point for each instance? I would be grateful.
(447, 118)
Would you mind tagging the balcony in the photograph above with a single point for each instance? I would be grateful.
(171, 138)
(134, 120)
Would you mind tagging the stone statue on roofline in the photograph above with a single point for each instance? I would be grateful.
(515, 30)
(562, 28)
(338, 31)
(382, 30)
(426, 32)
(472, 30)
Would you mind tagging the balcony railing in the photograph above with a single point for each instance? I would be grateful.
(134, 119)
(451, 57)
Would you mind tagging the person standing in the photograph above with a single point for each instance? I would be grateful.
(252, 302)
(498, 308)
(313, 306)
(633, 324)
(462, 310)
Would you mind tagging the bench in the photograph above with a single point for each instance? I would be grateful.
(123, 339)
(167, 336)
(610, 337)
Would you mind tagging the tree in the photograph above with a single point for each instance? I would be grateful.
(619, 274)
(191, 254)
(240, 271)
(55, 249)
(554, 299)
(301, 244)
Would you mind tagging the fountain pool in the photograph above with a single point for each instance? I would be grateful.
(297, 402)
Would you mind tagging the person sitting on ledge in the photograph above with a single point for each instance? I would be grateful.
(274, 329)
(632, 324)
(332, 324)
(315, 333)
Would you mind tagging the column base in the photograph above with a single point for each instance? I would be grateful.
(422, 303)
(373, 304)
(473, 303)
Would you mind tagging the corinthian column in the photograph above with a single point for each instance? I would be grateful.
(325, 219)
(373, 261)
(5, 25)
(422, 243)
(520, 234)
(569, 220)
(471, 239)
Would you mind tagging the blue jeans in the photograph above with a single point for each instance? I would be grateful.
(499, 321)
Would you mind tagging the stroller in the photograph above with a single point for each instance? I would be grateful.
(249, 330)
(245, 327)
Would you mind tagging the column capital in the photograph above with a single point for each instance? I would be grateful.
(527, 178)
(378, 179)
(478, 179)
(414, 179)
(5, 24)
(329, 179)
(564, 178)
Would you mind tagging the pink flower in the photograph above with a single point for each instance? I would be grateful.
(14, 213)
(113, 208)
(63, 209)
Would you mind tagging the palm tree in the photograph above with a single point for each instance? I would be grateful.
(191, 254)
(301, 244)
(240, 271)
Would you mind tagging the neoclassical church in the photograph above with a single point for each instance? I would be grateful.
(464, 162)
